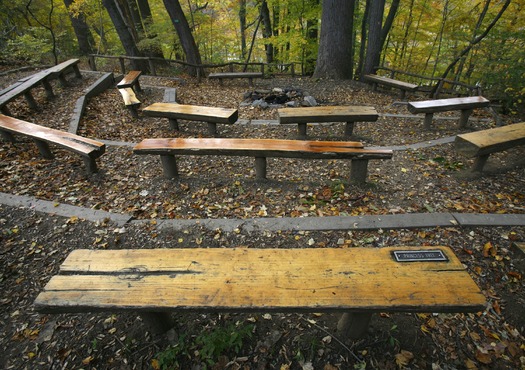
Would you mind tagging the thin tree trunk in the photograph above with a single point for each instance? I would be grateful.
(86, 42)
(373, 50)
(242, 26)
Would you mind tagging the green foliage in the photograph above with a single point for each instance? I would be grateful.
(27, 48)
(209, 345)
(222, 340)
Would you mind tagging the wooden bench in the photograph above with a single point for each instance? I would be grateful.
(465, 105)
(231, 75)
(354, 281)
(210, 115)
(348, 114)
(43, 78)
(128, 87)
(390, 82)
(260, 149)
(43, 136)
(481, 144)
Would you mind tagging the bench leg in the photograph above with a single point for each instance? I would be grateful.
(5, 110)
(463, 119)
(349, 129)
(250, 81)
(62, 79)
(49, 89)
(212, 129)
(359, 171)
(402, 94)
(174, 124)
(260, 167)
(44, 150)
(77, 71)
(353, 325)
(7, 136)
(134, 110)
(479, 163)
(30, 100)
(137, 86)
(428, 121)
(91, 165)
(301, 131)
(158, 322)
(169, 165)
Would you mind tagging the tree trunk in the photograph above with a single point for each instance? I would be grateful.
(185, 36)
(242, 26)
(86, 42)
(125, 36)
(267, 31)
(389, 21)
(334, 58)
(373, 49)
(364, 36)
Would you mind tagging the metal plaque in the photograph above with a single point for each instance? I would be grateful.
(420, 256)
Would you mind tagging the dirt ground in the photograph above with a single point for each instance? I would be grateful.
(433, 179)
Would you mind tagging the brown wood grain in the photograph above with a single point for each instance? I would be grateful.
(75, 143)
(259, 147)
(490, 141)
(443, 105)
(391, 82)
(192, 112)
(351, 279)
(129, 79)
(327, 114)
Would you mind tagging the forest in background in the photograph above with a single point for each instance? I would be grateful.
(475, 42)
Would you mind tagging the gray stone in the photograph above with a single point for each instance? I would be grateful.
(309, 101)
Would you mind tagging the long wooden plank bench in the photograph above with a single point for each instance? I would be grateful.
(231, 75)
(390, 82)
(43, 136)
(211, 115)
(128, 87)
(41, 78)
(465, 105)
(481, 144)
(354, 281)
(304, 115)
(260, 149)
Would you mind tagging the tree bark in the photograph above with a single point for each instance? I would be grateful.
(125, 36)
(85, 39)
(373, 49)
(334, 58)
(242, 27)
(267, 31)
(185, 36)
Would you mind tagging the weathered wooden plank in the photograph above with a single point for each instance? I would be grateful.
(131, 79)
(327, 114)
(221, 75)
(129, 97)
(353, 279)
(492, 140)
(259, 147)
(444, 105)
(88, 148)
(192, 112)
(391, 82)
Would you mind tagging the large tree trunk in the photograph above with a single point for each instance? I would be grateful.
(242, 27)
(373, 49)
(125, 36)
(185, 36)
(86, 42)
(267, 31)
(334, 58)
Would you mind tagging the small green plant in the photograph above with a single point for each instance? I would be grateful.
(454, 166)
(393, 341)
(169, 358)
(338, 188)
(222, 340)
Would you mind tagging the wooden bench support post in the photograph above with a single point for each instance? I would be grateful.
(402, 93)
(8, 136)
(30, 100)
(479, 162)
(349, 129)
(44, 150)
(463, 120)
(169, 164)
(260, 167)
(359, 171)
(353, 325)
(49, 89)
(301, 130)
(174, 124)
(158, 322)
(91, 164)
(428, 121)
(212, 129)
